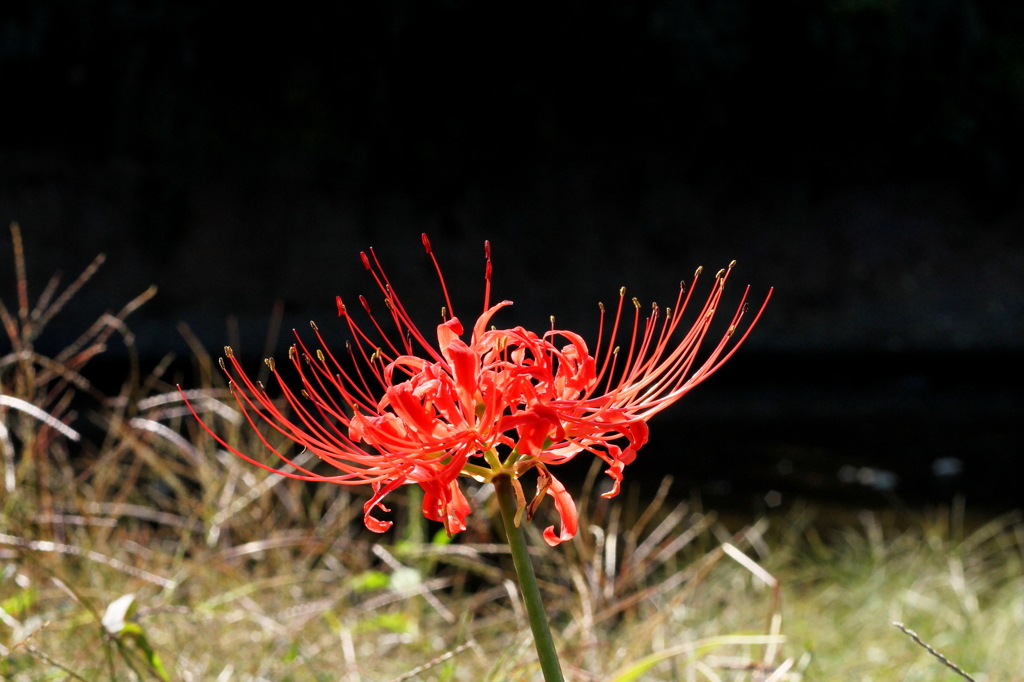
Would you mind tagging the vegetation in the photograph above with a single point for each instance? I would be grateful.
(148, 553)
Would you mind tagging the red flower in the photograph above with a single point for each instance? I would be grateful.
(388, 416)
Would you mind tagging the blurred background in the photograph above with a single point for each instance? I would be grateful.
(865, 157)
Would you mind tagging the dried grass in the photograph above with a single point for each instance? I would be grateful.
(242, 575)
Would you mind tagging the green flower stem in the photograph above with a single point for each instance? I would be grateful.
(477, 472)
(527, 581)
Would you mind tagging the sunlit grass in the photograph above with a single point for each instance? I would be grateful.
(241, 575)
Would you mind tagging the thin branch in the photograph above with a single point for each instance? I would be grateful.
(46, 657)
(945, 661)
(72, 550)
(437, 661)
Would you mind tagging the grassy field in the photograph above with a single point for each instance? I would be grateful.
(145, 552)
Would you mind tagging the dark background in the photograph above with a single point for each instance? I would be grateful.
(864, 157)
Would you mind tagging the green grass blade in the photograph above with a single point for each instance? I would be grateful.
(633, 671)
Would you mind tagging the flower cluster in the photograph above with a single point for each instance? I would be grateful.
(401, 410)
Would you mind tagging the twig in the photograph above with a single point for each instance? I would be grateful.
(146, 513)
(41, 654)
(72, 550)
(244, 500)
(437, 661)
(781, 671)
(945, 661)
(38, 652)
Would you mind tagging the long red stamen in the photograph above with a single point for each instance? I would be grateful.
(444, 288)
(613, 335)
(365, 397)
(395, 306)
(600, 331)
(487, 276)
(366, 307)
(389, 298)
(399, 310)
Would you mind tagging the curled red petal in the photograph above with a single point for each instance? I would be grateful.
(446, 503)
(620, 458)
(446, 333)
(433, 502)
(458, 510)
(372, 523)
(375, 524)
(637, 432)
(566, 511)
(480, 327)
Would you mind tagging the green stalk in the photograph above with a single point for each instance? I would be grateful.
(527, 581)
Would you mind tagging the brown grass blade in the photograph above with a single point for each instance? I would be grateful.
(46, 315)
(44, 298)
(19, 268)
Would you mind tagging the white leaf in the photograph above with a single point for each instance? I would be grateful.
(117, 613)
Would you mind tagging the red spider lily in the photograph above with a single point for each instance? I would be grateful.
(388, 416)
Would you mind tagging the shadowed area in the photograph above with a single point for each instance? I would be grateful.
(863, 158)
